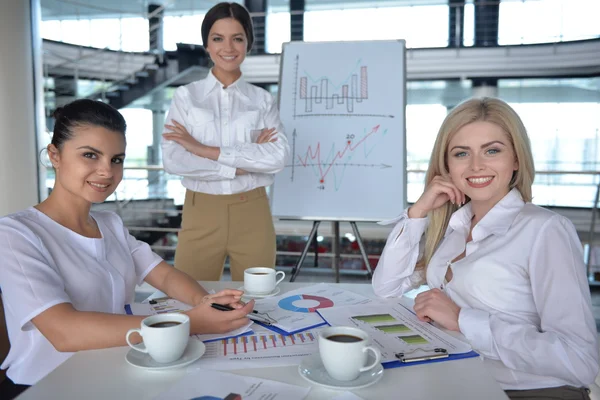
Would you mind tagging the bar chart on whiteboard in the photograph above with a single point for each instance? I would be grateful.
(342, 105)
(323, 97)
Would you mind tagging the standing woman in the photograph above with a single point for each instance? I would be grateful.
(224, 137)
(506, 273)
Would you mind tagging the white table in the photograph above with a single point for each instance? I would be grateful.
(104, 374)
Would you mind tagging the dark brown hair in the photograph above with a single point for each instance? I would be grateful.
(85, 112)
(228, 10)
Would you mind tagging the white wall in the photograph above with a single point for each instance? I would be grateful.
(18, 154)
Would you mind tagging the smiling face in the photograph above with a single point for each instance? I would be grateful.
(481, 162)
(227, 44)
(89, 166)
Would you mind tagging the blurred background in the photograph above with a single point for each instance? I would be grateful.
(541, 56)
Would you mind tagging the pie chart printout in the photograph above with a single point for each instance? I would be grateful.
(297, 303)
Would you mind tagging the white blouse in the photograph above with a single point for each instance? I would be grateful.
(44, 264)
(522, 288)
(230, 118)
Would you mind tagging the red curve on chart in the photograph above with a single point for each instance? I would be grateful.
(338, 156)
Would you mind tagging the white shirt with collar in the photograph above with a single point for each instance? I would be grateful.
(229, 118)
(43, 263)
(522, 288)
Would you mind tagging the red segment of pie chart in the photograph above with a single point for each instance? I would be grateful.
(323, 302)
(287, 303)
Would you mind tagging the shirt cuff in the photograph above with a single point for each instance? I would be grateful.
(227, 156)
(227, 171)
(413, 227)
(475, 325)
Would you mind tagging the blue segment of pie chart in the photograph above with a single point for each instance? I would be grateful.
(288, 303)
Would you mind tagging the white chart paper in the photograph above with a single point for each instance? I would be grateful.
(347, 396)
(259, 350)
(295, 311)
(204, 384)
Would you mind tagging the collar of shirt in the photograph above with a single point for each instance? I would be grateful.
(211, 82)
(496, 222)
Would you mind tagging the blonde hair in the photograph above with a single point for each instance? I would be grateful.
(486, 109)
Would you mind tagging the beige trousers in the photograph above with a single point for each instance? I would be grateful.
(216, 226)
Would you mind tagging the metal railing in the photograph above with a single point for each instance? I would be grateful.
(584, 219)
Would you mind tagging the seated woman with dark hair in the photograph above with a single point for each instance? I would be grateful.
(67, 272)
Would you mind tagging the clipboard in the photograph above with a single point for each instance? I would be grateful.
(439, 356)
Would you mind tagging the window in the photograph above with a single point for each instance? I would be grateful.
(126, 34)
(560, 20)
(380, 24)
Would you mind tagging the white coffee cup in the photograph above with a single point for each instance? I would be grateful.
(261, 280)
(344, 351)
(165, 336)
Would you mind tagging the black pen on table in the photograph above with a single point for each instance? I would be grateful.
(255, 314)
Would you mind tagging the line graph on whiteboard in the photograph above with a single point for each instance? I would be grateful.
(326, 96)
(329, 164)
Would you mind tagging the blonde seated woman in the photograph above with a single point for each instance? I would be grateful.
(505, 273)
(67, 272)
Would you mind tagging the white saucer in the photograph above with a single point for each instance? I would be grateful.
(261, 296)
(193, 351)
(311, 368)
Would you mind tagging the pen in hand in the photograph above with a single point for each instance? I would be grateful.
(221, 307)
(254, 315)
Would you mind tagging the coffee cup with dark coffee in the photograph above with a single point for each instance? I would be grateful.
(344, 352)
(165, 336)
(261, 280)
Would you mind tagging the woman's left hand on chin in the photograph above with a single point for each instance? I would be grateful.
(435, 305)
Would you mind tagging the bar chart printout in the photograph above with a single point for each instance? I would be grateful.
(261, 349)
(265, 342)
(395, 330)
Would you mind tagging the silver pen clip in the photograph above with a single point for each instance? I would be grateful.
(263, 318)
(438, 353)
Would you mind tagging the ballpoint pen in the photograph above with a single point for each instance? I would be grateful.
(254, 315)
(221, 307)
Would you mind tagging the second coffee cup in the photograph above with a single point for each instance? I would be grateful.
(344, 352)
(261, 280)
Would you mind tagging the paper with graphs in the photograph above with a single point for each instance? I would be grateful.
(394, 329)
(295, 310)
